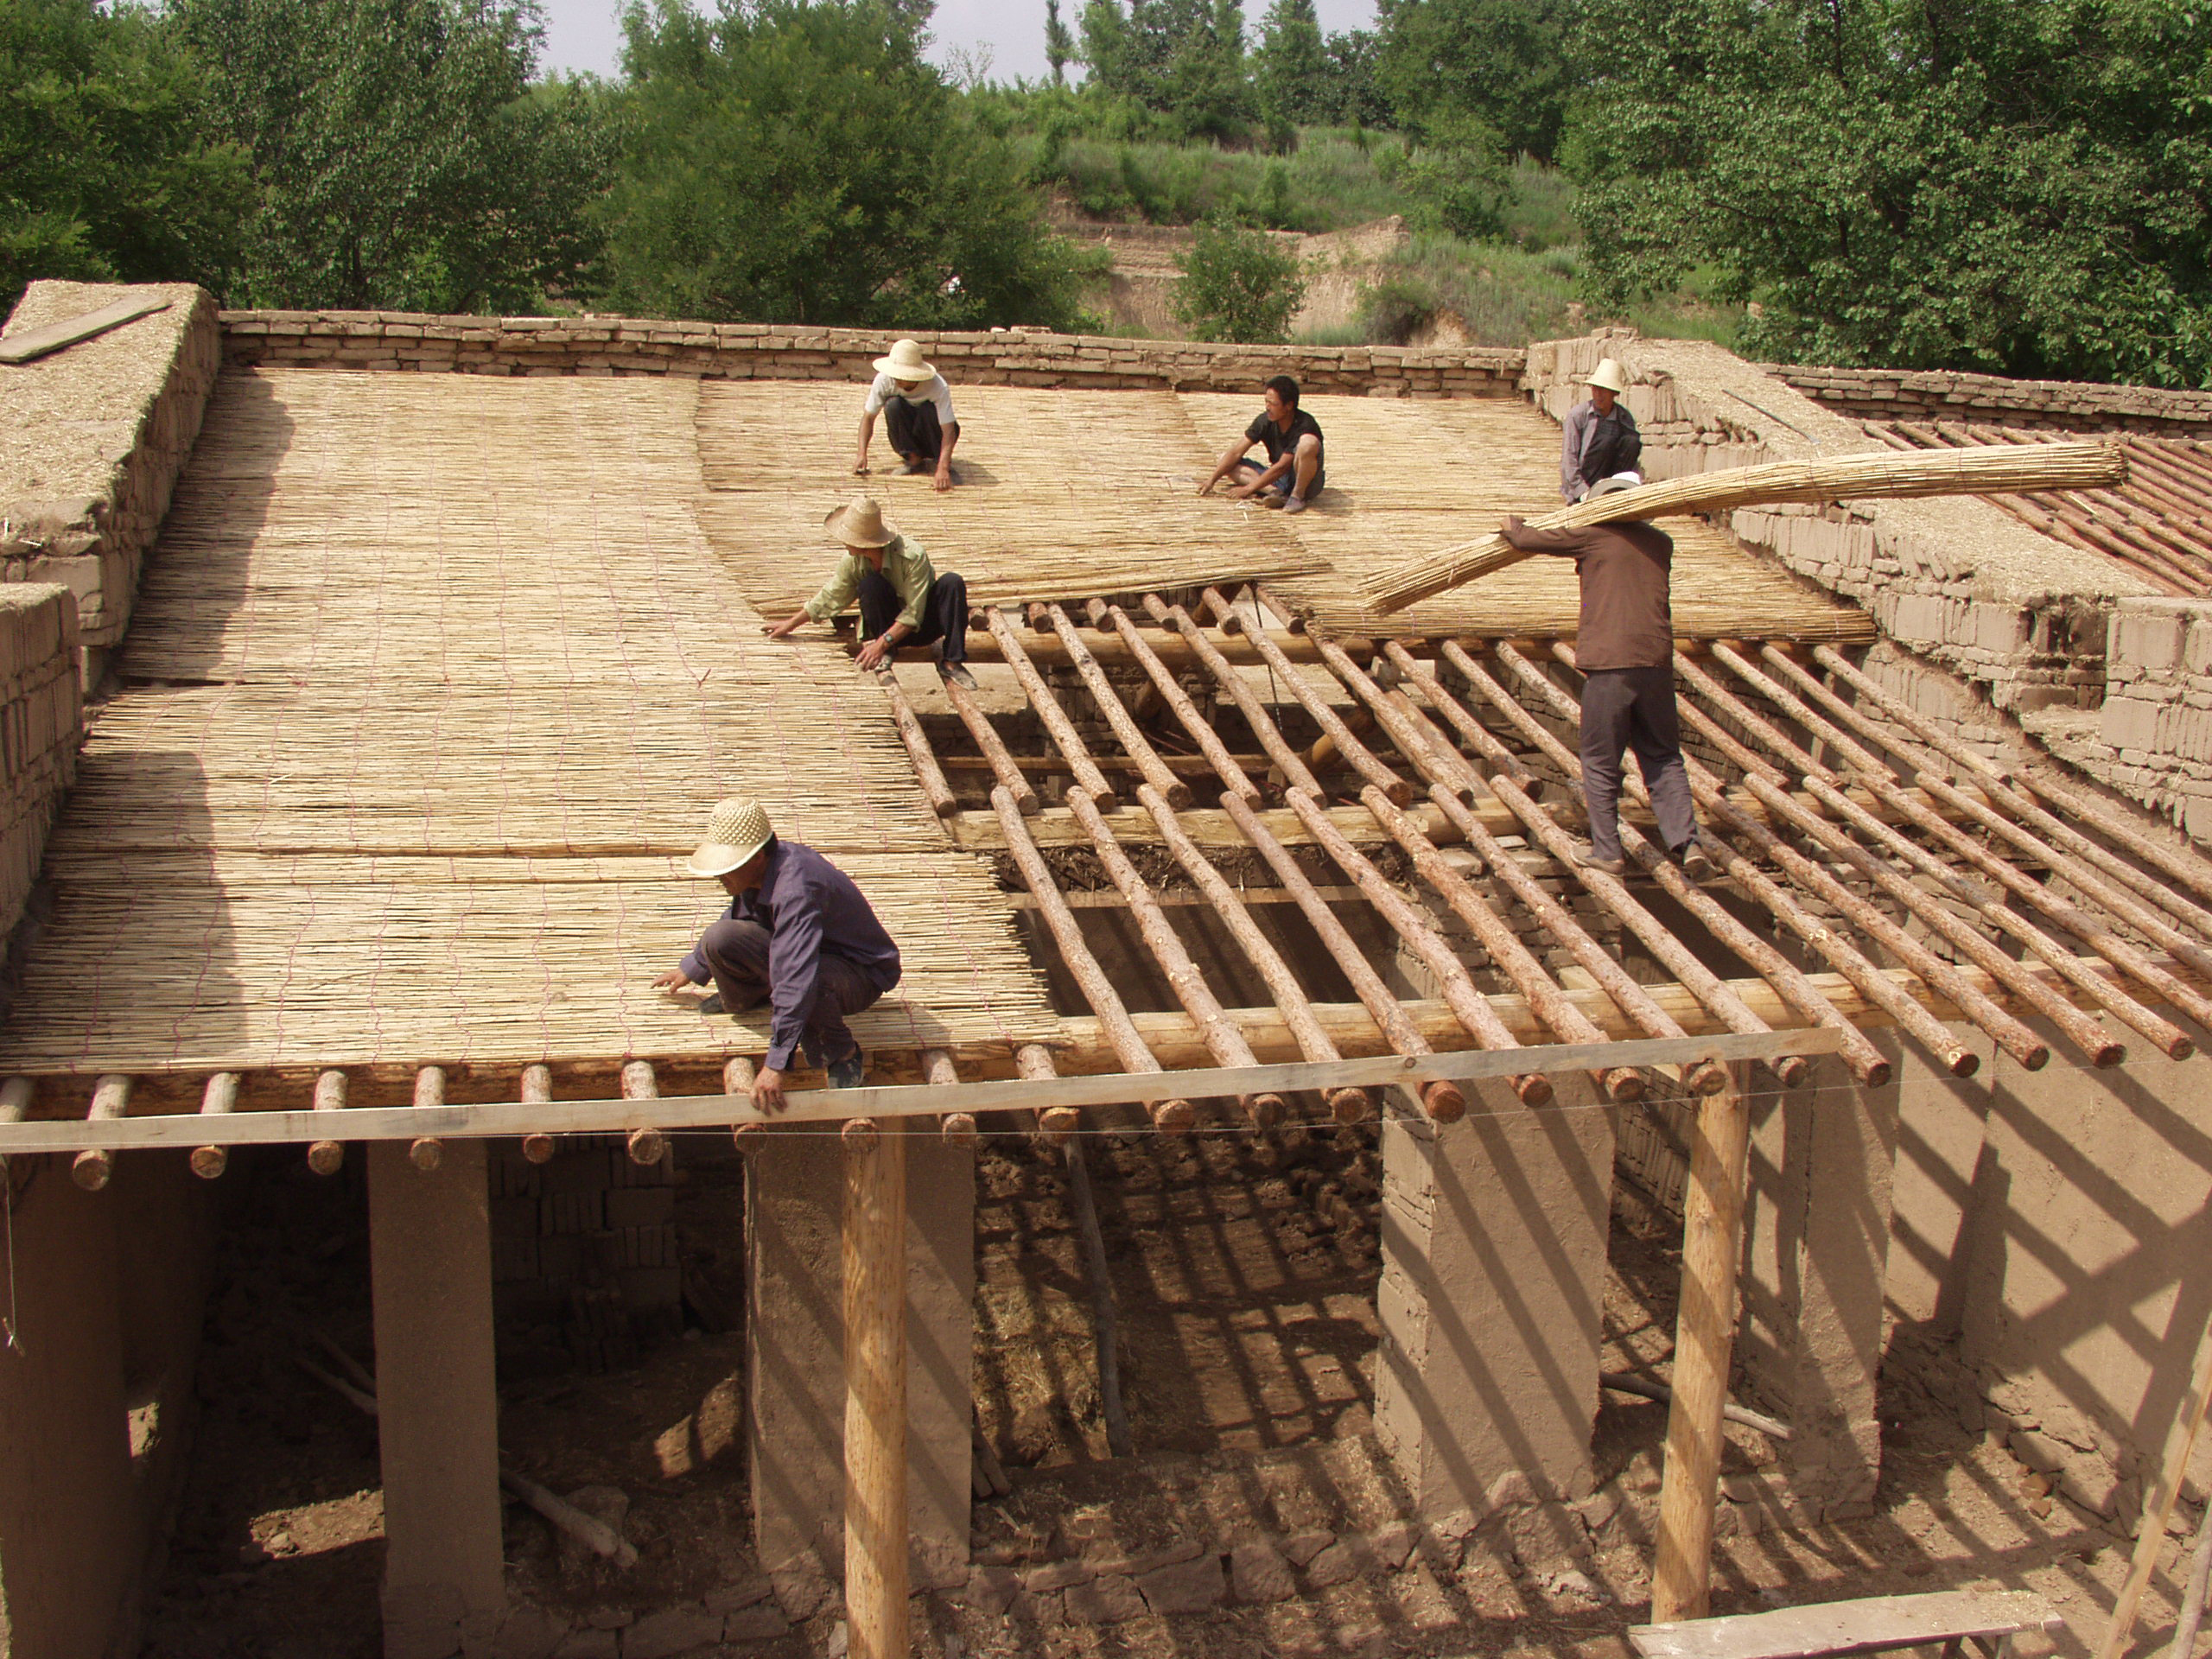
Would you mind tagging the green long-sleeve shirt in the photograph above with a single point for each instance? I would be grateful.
(906, 567)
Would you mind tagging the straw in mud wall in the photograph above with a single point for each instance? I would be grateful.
(1993, 471)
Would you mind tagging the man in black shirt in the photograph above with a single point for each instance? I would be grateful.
(1293, 469)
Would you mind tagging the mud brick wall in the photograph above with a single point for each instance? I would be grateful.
(41, 718)
(2157, 720)
(92, 439)
(2058, 405)
(584, 1265)
(740, 351)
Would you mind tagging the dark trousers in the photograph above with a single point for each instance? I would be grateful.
(736, 953)
(945, 613)
(1625, 708)
(1287, 481)
(913, 429)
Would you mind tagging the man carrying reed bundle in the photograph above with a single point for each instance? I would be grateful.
(917, 407)
(1293, 470)
(1624, 645)
(1598, 439)
(799, 935)
(903, 600)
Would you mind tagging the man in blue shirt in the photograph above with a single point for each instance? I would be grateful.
(799, 935)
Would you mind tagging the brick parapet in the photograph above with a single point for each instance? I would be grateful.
(2153, 739)
(2058, 405)
(616, 346)
(42, 718)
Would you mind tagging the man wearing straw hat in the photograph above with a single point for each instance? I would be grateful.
(1599, 438)
(1625, 647)
(903, 600)
(799, 935)
(917, 407)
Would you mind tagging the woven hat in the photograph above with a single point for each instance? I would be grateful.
(736, 830)
(860, 523)
(906, 362)
(1608, 374)
(1616, 483)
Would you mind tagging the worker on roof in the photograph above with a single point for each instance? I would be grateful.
(1625, 647)
(1599, 438)
(1293, 470)
(917, 407)
(902, 598)
(799, 935)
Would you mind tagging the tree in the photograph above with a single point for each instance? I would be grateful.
(1237, 285)
(1504, 63)
(104, 173)
(402, 157)
(790, 162)
(2007, 185)
(1059, 43)
(1292, 71)
(1183, 58)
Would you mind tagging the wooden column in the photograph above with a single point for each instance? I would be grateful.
(1704, 1334)
(874, 1233)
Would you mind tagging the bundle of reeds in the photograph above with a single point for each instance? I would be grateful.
(1889, 474)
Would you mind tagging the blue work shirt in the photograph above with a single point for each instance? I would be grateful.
(809, 906)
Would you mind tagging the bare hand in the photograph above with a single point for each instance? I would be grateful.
(768, 1091)
(944, 480)
(781, 630)
(1512, 524)
(1206, 488)
(873, 654)
(674, 981)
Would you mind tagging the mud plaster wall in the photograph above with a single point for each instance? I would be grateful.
(41, 722)
(92, 438)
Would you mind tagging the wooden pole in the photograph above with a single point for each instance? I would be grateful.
(648, 1146)
(2158, 1508)
(927, 772)
(994, 751)
(221, 1097)
(426, 1152)
(326, 1157)
(957, 1127)
(537, 1090)
(1705, 1339)
(111, 1099)
(875, 1237)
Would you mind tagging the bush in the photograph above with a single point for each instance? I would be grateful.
(1237, 286)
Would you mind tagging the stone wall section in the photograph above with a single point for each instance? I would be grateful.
(2153, 736)
(2052, 405)
(42, 718)
(743, 351)
(94, 437)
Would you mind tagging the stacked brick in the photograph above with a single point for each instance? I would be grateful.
(614, 345)
(2054, 405)
(100, 431)
(40, 720)
(584, 1264)
(2157, 719)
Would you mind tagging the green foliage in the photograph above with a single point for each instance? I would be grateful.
(796, 163)
(1499, 64)
(1059, 43)
(1237, 286)
(1183, 59)
(1456, 183)
(105, 175)
(1333, 180)
(2007, 185)
(1292, 72)
(401, 158)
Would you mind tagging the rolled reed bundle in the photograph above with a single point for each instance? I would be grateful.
(1889, 474)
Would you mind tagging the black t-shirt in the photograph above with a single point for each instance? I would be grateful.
(1281, 444)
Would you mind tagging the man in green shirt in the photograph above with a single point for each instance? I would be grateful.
(902, 598)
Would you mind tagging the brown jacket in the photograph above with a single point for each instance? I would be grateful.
(1626, 567)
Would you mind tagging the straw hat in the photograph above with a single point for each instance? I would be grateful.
(736, 830)
(1608, 374)
(859, 523)
(1616, 482)
(906, 362)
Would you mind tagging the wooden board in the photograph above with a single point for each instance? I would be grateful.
(40, 342)
(1861, 1626)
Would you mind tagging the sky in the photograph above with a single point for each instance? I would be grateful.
(582, 34)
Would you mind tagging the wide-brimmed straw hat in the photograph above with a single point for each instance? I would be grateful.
(1608, 374)
(736, 830)
(860, 523)
(906, 362)
(1615, 482)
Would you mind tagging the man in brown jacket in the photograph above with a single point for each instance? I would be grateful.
(1624, 645)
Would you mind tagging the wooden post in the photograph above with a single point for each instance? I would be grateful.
(427, 1152)
(221, 1097)
(537, 1090)
(648, 1146)
(1705, 1337)
(111, 1099)
(875, 1249)
(326, 1157)
(2158, 1509)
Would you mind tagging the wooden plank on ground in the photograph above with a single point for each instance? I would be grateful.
(39, 342)
(1860, 1626)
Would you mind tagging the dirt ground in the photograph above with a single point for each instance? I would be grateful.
(1244, 1277)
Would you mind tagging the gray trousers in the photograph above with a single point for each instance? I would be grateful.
(736, 953)
(1625, 708)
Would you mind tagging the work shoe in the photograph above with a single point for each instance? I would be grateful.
(958, 674)
(913, 469)
(850, 1072)
(1590, 861)
(1698, 864)
(712, 1003)
(1293, 504)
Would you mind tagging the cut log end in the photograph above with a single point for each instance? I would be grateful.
(2035, 1057)
(1173, 1116)
(648, 1146)
(860, 1134)
(1351, 1105)
(2113, 1053)
(1180, 796)
(1791, 1069)
(1961, 1062)
(1443, 1101)
(1056, 1123)
(1624, 1084)
(538, 1148)
(1534, 1088)
(1705, 1077)
(92, 1170)
(958, 1129)
(426, 1154)
(209, 1162)
(1266, 1110)
(327, 1157)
